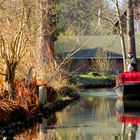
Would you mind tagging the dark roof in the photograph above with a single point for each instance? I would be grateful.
(88, 53)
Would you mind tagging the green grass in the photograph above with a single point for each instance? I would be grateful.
(94, 80)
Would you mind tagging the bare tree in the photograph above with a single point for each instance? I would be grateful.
(102, 62)
(13, 44)
(81, 17)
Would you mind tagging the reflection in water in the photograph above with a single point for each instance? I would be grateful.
(102, 108)
(128, 113)
(48, 134)
(28, 135)
(91, 118)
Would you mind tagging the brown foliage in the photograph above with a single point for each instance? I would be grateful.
(23, 106)
(27, 96)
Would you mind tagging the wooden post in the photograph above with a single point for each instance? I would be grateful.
(42, 95)
(42, 100)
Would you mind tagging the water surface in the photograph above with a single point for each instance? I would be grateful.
(93, 117)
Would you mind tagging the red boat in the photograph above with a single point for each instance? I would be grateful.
(128, 85)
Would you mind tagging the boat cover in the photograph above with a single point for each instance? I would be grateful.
(128, 77)
(129, 119)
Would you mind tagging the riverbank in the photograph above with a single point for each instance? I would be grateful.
(24, 112)
(15, 117)
(93, 80)
(64, 99)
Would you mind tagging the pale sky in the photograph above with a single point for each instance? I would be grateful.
(112, 3)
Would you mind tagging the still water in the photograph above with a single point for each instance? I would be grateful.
(93, 117)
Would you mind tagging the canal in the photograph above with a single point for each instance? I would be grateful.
(93, 117)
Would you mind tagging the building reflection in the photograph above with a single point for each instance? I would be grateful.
(128, 113)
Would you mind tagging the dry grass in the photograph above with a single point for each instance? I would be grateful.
(11, 112)
(27, 96)
(22, 107)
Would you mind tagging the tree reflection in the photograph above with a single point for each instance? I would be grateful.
(102, 108)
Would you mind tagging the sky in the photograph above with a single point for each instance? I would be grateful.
(112, 3)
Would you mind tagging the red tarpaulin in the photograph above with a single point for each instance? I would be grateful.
(128, 77)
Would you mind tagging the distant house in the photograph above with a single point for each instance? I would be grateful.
(81, 51)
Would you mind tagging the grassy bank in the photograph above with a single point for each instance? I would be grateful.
(91, 80)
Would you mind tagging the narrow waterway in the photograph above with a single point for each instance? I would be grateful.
(93, 117)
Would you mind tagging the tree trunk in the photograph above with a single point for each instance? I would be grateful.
(130, 28)
(47, 29)
(50, 50)
(9, 79)
(121, 36)
(44, 41)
